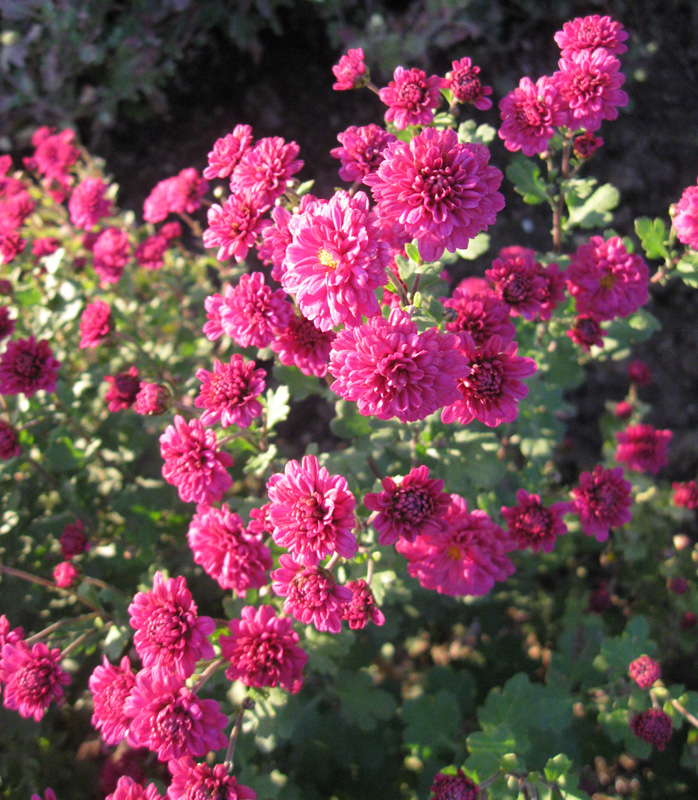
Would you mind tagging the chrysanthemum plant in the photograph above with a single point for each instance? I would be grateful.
(204, 596)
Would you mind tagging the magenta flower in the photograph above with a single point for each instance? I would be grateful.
(642, 448)
(49, 794)
(645, 671)
(156, 205)
(235, 226)
(9, 442)
(234, 557)
(639, 373)
(227, 152)
(305, 346)
(589, 33)
(123, 389)
(88, 204)
(587, 332)
(265, 169)
(518, 279)
(586, 144)
(152, 399)
(32, 678)
(602, 501)
(128, 789)
(411, 97)
(150, 253)
(362, 608)
(110, 254)
(95, 323)
(11, 245)
(463, 80)
(312, 512)
(685, 218)
(465, 560)
(260, 522)
(362, 151)
(531, 524)
(454, 787)
(416, 505)
(685, 494)
(530, 114)
(185, 191)
(336, 261)
(73, 540)
(389, 369)
(193, 463)
(312, 595)
(229, 393)
(351, 71)
(276, 237)
(606, 280)
(480, 314)
(263, 650)
(28, 366)
(191, 781)
(110, 687)
(55, 152)
(654, 726)
(436, 190)
(64, 574)
(9, 635)
(170, 720)
(7, 323)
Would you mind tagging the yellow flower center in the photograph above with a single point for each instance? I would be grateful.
(608, 281)
(453, 553)
(326, 259)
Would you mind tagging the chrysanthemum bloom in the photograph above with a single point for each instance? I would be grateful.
(95, 324)
(313, 597)
(553, 291)
(9, 635)
(227, 152)
(110, 255)
(305, 346)
(685, 494)
(436, 190)
(642, 448)
(264, 170)
(11, 245)
(110, 686)
(191, 781)
(263, 650)
(336, 261)
(463, 80)
(235, 226)
(454, 787)
(623, 410)
(170, 720)
(169, 634)
(411, 97)
(128, 789)
(644, 671)
(232, 555)
(639, 373)
(260, 521)
(518, 280)
(362, 608)
(602, 500)
(193, 463)
(417, 504)
(482, 315)
(9, 442)
(588, 33)
(88, 204)
(492, 388)
(156, 205)
(654, 726)
(152, 399)
(685, 218)
(465, 560)
(55, 153)
(531, 524)
(586, 144)
(276, 237)
(351, 71)
(7, 323)
(32, 678)
(587, 331)
(606, 280)
(123, 389)
(64, 574)
(150, 253)
(362, 150)
(312, 512)
(530, 113)
(589, 83)
(28, 366)
(123, 762)
(389, 369)
(171, 230)
(229, 393)
(185, 191)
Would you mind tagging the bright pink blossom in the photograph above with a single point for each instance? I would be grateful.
(305, 346)
(32, 678)
(110, 686)
(9, 635)
(654, 726)
(685, 494)
(588, 33)
(482, 315)
(191, 781)
(362, 608)
(28, 366)
(587, 331)
(55, 153)
(276, 237)
(362, 151)
(229, 393)
(518, 279)
(351, 71)
(464, 81)
(152, 399)
(411, 97)
(111, 253)
(95, 324)
(156, 206)
(128, 789)
(454, 787)
(123, 389)
(265, 169)
(235, 226)
(642, 448)
(150, 253)
(9, 442)
(88, 203)
(227, 152)
(602, 501)
(64, 574)
(531, 524)
(186, 191)
(685, 218)
(11, 245)
(644, 671)
(530, 114)
(73, 540)
(586, 144)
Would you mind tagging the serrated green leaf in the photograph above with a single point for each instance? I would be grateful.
(276, 402)
(488, 748)
(596, 210)
(431, 720)
(363, 704)
(618, 651)
(687, 268)
(525, 174)
(652, 234)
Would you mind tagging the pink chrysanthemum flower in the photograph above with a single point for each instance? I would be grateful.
(169, 634)
(588, 33)
(415, 505)
(170, 720)
(125, 762)
(45, 246)
(531, 524)
(229, 393)
(193, 463)
(234, 557)
(88, 204)
(586, 144)
(128, 789)
(11, 245)
(123, 389)
(156, 205)
(685, 218)
(64, 574)
(351, 71)
(685, 494)
(482, 315)
(623, 410)
(606, 280)
(150, 253)
(227, 152)
(454, 787)
(186, 191)
(9, 442)
(7, 323)
(362, 608)
(265, 169)
(389, 369)
(260, 521)
(312, 595)
(263, 650)
(152, 399)
(465, 560)
(191, 781)
(110, 254)
(110, 687)
(436, 190)
(530, 113)
(587, 332)
(642, 448)
(73, 540)
(235, 226)
(490, 392)
(32, 678)
(362, 151)
(463, 80)
(639, 373)
(336, 261)
(411, 97)
(55, 153)
(645, 671)
(95, 323)
(517, 279)
(589, 83)
(171, 230)
(305, 346)
(654, 726)
(312, 512)
(602, 501)
(555, 283)
(276, 237)
(8, 634)
(28, 366)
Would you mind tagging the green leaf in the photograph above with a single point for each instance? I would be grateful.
(524, 173)
(618, 651)
(687, 269)
(413, 253)
(363, 704)
(487, 748)
(557, 767)
(476, 247)
(477, 134)
(349, 423)
(299, 384)
(653, 234)
(431, 720)
(595, 211)
(277, 406)
(28, 297)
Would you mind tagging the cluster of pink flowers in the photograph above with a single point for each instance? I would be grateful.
(177, 195)
(643, 448)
